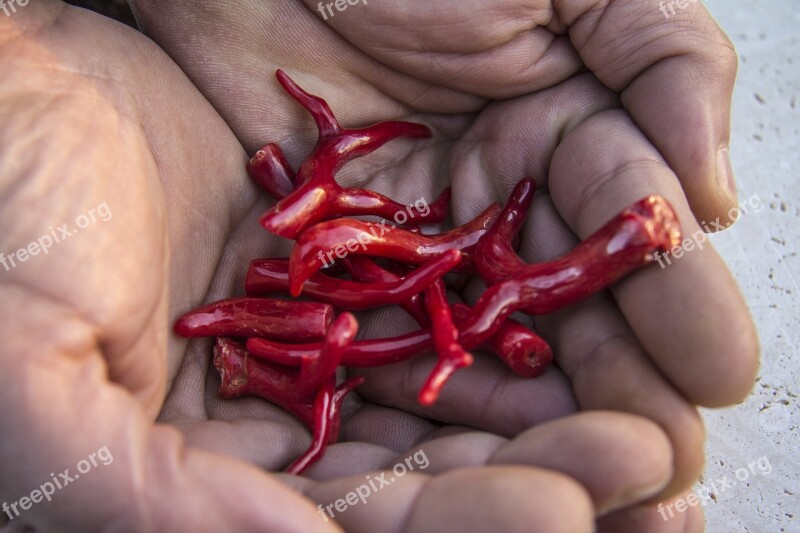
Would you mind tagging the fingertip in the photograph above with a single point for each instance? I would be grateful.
(502, 499)
(636, 462)
(729, 379)
(688, 438)
(716, 362)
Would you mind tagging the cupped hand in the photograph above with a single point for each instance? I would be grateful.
(87, 331)
(601, 103)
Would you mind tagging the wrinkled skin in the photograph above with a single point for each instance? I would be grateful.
(92, 112)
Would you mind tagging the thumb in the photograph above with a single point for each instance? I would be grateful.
(78, 453)
(675, 69)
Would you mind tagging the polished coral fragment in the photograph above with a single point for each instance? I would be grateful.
(288, 351)
(317, 196)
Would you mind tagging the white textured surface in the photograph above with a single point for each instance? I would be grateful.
(762, 251)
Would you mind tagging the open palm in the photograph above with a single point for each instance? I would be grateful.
(98, 364)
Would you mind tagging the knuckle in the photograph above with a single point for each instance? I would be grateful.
(722, 58)
(726, 59)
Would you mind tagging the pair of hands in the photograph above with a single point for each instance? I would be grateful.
(603, 103)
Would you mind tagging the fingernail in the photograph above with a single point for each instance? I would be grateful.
(635, 495)
(725, 170)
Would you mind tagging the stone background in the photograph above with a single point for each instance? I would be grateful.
(762, 251)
